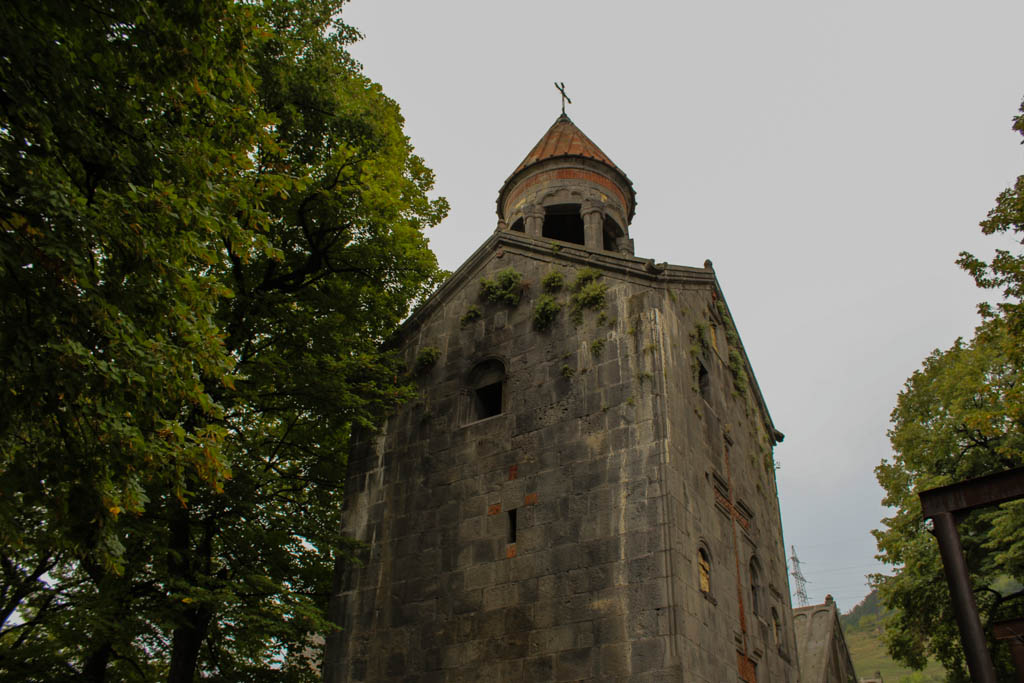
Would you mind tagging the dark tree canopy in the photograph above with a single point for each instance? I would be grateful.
(960, 416)
(209, 221)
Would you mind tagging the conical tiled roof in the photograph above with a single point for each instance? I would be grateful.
(564, 139)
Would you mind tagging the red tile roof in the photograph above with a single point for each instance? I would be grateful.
(564, 139)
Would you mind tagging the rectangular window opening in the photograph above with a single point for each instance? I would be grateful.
(488, 401)
(512, 526)
(563, 222)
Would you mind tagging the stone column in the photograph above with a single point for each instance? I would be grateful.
(593, 224)
(533, 220)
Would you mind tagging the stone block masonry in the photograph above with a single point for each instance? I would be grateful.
(557, 540)
(585, 489)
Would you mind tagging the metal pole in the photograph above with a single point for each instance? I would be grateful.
(979, 661)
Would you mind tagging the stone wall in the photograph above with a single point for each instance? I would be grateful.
(617, 471)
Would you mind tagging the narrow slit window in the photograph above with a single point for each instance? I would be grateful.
(704, 571)
(512, 526)
(755, 587)
(704, 382)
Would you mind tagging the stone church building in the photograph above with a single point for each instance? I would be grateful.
(585, 489)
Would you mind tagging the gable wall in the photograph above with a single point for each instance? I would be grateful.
(606, 457)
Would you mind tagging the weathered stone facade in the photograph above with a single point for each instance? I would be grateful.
(585, 489)
(821, 645)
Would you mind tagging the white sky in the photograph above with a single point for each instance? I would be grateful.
(831, 158)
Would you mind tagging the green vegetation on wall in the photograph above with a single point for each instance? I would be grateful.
(738, 368)
(472, 314)
(553, 282)
(506, 287)
(587, 292)
(545, 311)
(428, 355)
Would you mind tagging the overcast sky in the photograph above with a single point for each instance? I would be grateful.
(830, 158)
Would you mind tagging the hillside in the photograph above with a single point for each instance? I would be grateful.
(863, 627)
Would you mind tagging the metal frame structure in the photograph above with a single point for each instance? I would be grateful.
(946, 506)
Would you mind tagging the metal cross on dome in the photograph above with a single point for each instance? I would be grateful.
(565, 98)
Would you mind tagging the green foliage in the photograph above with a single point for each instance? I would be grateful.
(950, 424)
(868, 613)
(472, 314)
(567, 371)
(699, 339)
(587, 292)
(426, 358)
(1006, 270)
(209, 220)
(868, 654)
(959, 417)
(584, 277)
(553, 282)
(545, 311)
(738, 369)
(731, 336)
(596, 347)
(864, 630)
(506, 287)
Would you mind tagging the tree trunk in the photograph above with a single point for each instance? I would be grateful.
(185, 563)
(187, 639)
(95, 670)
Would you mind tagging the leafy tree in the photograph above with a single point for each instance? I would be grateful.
(960, 416)
(209, 220)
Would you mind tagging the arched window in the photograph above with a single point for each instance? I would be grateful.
(486, 382)
(563, 222)
(755, 586)
(518, 226)
(776, 628)
(704, 571)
